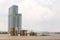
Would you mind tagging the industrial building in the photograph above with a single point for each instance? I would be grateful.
(14, 19)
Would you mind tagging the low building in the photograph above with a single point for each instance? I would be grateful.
(14, 32)
(45, 34)
(33, 34)
(23, 33)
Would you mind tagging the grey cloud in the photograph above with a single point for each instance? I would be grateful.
(37, 15)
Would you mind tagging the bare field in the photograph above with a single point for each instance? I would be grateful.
(8, 37)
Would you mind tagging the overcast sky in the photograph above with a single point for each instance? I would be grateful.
(37, 15)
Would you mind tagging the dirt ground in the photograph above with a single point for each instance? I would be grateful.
(8, 37)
